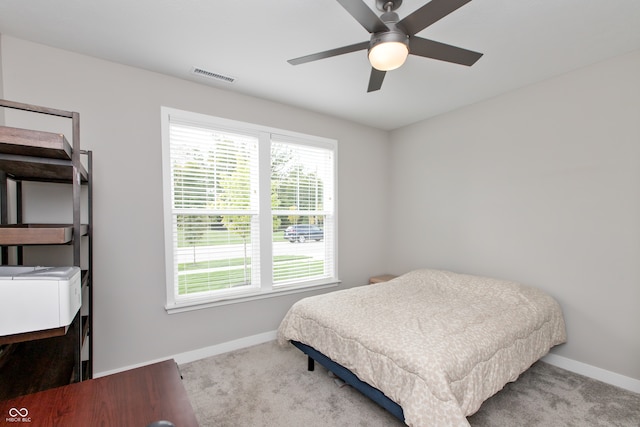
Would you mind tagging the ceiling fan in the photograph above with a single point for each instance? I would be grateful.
(392, 39)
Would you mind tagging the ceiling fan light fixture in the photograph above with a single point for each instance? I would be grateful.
(388, 51)
(393, 39)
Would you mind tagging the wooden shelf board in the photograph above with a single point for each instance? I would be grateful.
(36, 155)
(26, 142)
(24, 168)
(35, 335)
(37, 234)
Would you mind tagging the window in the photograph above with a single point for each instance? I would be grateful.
(249, 210)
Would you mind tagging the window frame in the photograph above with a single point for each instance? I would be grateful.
(265, 288)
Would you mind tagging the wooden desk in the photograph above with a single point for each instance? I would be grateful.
(131, 398)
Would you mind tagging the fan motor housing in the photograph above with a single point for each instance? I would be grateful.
(393, 35)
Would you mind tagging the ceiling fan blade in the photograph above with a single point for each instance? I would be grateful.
(428, 14)
(443, 52)
(376, 79)
(329, 53)
(364, 15)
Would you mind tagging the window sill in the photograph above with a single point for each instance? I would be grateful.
(209, 302)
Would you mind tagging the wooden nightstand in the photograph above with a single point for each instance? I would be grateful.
(381, 278)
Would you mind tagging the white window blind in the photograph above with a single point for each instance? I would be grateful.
(214, 209)
(249, 211)
(302, 179)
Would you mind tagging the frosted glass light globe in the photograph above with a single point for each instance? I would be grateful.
(388, 56)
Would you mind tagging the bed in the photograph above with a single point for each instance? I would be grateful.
(430, 346)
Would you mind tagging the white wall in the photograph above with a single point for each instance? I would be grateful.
(541, 186)
(119, 110)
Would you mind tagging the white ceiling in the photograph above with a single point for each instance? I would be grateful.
(523, 41)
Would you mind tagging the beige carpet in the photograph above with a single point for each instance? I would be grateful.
(268, 385)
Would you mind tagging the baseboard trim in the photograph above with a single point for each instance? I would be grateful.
(201, 353)
(590, 371)
(214, 350)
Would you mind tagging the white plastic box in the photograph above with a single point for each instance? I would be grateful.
(38, 298)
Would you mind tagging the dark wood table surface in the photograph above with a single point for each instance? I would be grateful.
(132, 398)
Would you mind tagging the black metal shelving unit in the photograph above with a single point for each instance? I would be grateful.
(38, 360)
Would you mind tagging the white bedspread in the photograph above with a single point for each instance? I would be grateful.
(435, 342)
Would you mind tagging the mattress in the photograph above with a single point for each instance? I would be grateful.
(435, 342)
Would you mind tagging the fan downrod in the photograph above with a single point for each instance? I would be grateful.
(388, 5)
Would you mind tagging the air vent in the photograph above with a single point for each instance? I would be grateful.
(211, 75)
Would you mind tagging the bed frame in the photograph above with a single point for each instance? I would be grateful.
(350, 378)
